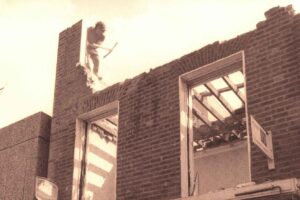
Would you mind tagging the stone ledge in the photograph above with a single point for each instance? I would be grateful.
(285, 186)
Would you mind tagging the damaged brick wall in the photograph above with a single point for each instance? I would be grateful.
(273, 79)
(148, 163)
(70, 85)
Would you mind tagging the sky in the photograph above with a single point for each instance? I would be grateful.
(149, 33)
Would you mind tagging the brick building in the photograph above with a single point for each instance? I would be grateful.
(184, 130)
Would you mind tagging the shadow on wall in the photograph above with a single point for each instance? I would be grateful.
(100, 161)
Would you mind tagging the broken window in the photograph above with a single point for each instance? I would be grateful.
(99, 171)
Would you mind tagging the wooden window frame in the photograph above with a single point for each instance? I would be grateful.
(201, 75)
(82, 122)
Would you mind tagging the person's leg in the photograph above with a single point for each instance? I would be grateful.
(95, 59)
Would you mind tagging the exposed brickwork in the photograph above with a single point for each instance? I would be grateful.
(273, 92)
(148, 145)
(149, 122)
(150, 129)
(23, 156)
(70, 85)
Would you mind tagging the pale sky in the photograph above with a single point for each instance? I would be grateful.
(149, 32)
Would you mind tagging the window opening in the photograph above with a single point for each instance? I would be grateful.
(219, 133)
(99, 173)
(218, 112)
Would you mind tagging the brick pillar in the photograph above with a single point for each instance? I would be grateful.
(69, 87)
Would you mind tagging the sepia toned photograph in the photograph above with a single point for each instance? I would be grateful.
(150, 100)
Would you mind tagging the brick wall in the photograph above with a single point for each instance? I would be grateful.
(70, 85)
(148, 163)
(149, 122)
(273, 91)
(23, 156)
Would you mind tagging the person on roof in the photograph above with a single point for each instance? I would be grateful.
(95, 37)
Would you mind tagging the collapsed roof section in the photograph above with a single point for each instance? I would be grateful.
(107, 128)
(218, 108)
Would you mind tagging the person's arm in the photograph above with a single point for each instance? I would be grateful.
(93, 45)
(96, 46)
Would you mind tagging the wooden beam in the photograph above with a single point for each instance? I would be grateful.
(107, 126)
(226, 89)
(196, 114)
(209, 108)
(201, 116)
(103, 131)
(221, 99)
(110, 121)
(234, 88)
(199, 102)
(113, 119)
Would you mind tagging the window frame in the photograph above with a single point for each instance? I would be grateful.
(82, 125)
(226, 65)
